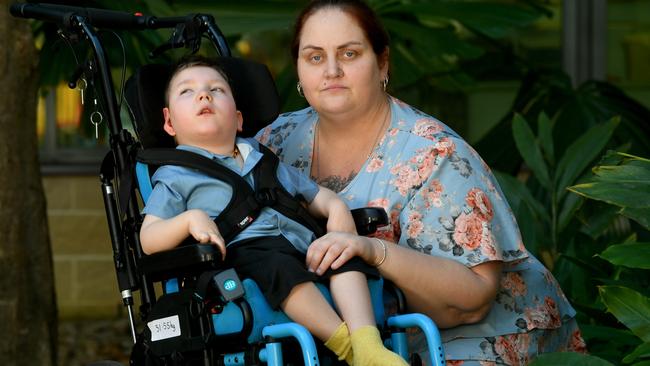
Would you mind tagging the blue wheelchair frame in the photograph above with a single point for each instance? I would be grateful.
(137, 272)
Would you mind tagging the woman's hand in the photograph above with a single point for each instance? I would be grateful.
(335, 248)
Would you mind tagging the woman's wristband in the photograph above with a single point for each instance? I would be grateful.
(385, 252)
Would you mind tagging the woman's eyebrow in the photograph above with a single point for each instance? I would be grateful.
(345, 45)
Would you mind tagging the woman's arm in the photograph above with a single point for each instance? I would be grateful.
(445, 290)
(158, 234)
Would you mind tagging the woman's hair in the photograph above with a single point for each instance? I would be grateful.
(194, 61)
(357, 9)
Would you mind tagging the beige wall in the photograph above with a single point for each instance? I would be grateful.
(83, 266)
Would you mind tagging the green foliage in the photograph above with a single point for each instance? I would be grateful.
(571, 110)
(635, 255)
(549, 206)
(569, 359)
(625, 185)
(630, 308)
(577, 220)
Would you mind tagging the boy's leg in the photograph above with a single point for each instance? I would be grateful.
(352, 297)
(307, 306)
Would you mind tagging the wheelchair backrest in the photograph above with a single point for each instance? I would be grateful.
(252, 84)
(253, 89)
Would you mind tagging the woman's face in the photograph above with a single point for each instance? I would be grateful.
(337, 67)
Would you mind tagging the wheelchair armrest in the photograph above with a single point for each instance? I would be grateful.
(367, 219)
(182, 260)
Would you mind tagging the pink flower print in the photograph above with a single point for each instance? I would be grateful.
(415, 225)
(544, 316)
(445, 147)
(427, 128)
(379, 202)
(374, 165)
(432, 194)
(489, 250)
(425, 161)
(394, 219)
(577, 343)
(264, 137)
(468, 230)
(480, 203)
(406, 178)
(513, 348)
(392, 132)
(513, 282)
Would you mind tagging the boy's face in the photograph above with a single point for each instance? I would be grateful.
(202, 110)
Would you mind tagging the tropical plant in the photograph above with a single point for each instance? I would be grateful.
(622, 181)
(573, 110)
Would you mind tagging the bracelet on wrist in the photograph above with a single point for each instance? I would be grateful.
(385, 252)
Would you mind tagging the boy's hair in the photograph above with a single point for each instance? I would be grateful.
(193, 61)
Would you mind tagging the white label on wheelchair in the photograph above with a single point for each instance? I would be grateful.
(164, 328)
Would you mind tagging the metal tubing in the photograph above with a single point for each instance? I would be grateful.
(434, 343)
(300, 333)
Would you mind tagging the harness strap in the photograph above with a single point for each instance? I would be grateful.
(245, 204)
(242, 208)
(271, 193)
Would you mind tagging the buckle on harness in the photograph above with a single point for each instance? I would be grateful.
(266, 197)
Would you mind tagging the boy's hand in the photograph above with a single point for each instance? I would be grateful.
(205, 231)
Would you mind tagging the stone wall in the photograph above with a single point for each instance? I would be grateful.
(83, 265)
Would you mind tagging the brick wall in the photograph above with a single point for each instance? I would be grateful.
(83, 265)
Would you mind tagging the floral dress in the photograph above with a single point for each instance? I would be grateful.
(442, 200)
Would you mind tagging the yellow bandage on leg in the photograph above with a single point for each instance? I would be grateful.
(369, 349)
(339, 343)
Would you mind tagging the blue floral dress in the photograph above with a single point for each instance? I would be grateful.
(442, 200)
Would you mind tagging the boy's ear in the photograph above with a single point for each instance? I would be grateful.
(240, 121)
(168, 123)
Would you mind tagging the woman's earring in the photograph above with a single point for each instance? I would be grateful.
(299, 89)
(384, 83)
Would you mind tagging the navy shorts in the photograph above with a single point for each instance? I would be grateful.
(276, 266)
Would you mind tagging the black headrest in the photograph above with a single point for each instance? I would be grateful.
(253, 89)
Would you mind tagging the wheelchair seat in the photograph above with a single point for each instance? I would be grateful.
(248, 318)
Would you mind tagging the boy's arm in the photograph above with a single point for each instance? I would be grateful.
(329, 204)
(159, 234)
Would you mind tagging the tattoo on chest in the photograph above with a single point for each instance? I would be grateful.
(336, 183)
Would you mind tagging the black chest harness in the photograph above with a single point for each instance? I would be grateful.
(246, 202)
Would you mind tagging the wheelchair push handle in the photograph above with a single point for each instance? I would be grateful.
(64, 14)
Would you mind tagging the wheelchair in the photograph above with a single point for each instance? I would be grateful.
(205, 314)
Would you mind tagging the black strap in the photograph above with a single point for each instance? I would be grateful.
(270, 192)
(245, 203)
(242, 208)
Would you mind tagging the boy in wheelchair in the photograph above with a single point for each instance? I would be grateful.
(202, 117)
